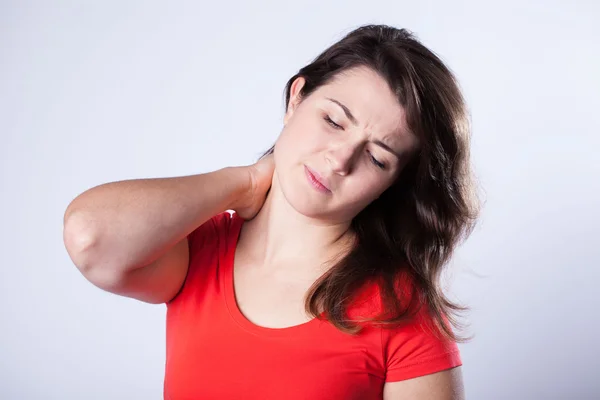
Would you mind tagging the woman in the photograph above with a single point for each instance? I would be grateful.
(323, 282)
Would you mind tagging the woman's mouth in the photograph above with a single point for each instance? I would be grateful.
(316, 181)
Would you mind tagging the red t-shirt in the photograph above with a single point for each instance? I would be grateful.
(214, 352)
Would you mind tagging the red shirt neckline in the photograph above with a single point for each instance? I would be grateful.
(226, 278)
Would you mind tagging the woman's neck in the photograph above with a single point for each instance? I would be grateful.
(280, 237)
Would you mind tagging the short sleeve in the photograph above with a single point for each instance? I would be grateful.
(414, 350)
(206, 233)
(203, 245)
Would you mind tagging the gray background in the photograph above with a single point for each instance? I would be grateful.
(92, 93)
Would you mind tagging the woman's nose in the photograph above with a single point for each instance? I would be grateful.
(341, 158)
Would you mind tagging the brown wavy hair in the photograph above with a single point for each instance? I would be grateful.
(413, 228)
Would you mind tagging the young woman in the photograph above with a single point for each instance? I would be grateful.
(323, 283)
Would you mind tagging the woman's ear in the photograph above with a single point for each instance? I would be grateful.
(295, 98)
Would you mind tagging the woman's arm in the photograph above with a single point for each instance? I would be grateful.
(443, 385)
(130, 237)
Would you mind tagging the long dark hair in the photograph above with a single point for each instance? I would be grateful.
(412, 229)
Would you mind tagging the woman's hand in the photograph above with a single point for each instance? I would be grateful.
(260, 176)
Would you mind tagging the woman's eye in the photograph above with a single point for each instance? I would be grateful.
(376, 162)
(330, 122)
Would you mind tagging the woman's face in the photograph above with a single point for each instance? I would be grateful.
(352, 135)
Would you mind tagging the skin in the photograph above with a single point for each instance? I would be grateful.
(295, 217)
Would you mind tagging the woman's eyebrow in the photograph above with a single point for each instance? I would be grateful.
(386, 147)
(346, 111)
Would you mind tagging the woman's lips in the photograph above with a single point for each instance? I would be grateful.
(316, 180)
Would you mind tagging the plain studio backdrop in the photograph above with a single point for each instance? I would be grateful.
(93, 93)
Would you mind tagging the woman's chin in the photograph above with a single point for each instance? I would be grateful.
(306, 204)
